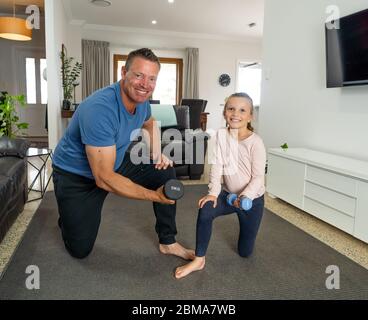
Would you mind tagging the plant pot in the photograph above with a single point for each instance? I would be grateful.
(66, 105)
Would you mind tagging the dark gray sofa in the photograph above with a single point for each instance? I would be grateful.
(13, 181)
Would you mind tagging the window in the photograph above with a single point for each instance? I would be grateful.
(31, 80)
(249, 80)
(169, 82)
(36, 85)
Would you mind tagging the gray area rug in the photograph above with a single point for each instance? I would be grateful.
(126, 264)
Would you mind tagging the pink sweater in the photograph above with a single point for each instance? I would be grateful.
(240, 164)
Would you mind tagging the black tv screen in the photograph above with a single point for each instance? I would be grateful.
(347, 50)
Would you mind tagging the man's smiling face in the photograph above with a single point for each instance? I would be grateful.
(140, 80)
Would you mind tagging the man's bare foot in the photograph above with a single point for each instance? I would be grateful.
(195, 265)
(177, 249)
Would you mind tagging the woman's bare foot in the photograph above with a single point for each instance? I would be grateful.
(177, 249)
(195, 265)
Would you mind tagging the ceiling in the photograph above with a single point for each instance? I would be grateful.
(225, 18)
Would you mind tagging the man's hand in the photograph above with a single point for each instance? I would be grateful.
(161, 196)
(163, 162)
(207, 198)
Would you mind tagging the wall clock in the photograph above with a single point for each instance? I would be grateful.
(224, 80)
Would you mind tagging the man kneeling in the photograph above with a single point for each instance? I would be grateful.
(91, 159)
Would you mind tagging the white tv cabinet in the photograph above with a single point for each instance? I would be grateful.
(330, 187)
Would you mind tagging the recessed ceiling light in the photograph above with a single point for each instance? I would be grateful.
(101, 3)
(171, 1)
(154, 21)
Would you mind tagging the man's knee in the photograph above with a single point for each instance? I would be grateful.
(165, 175)
(80, 250)
(169, 173)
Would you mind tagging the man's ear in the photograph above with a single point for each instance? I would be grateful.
(123, 72)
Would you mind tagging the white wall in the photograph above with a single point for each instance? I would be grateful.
(216, 56)
(296, 107)
(75, 50)
(58, 32)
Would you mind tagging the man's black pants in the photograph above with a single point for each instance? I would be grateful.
(80, 203)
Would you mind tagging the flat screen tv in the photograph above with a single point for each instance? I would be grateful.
(347, 50)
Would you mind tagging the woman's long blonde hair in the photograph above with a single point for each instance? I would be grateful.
(245, 96)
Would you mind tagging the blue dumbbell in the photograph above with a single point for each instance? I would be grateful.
(245, 203)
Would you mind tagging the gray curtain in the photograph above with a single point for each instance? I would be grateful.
(191, 72)
(96, 66)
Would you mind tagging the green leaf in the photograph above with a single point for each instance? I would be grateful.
(8, 115)
(22, 125)
(70, 71)
(284, 146)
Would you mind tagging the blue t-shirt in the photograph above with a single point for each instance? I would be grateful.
(101, 120)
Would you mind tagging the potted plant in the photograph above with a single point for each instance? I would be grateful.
(284, 146)
(70, 72)
(9, 120)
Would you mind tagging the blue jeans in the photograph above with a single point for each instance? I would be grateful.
(249, 224)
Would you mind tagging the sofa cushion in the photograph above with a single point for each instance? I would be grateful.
(13, 147)
(15, 169)
(182, 117)
(9, 166)
(165, 114)
(13, 181)
(175, 151)
(5, 194)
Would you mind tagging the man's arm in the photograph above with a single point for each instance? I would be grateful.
(154, 138)
(102, 160)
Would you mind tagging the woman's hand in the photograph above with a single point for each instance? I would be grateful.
(236, 203)
(207, 198)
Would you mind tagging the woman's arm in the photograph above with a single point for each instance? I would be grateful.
(216, 171)
(258, 163)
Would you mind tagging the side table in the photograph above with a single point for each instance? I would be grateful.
(42, 154)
